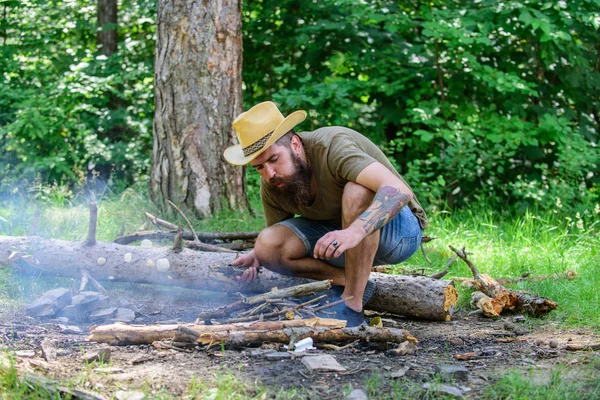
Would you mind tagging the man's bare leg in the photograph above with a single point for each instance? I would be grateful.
(358, 260)
(280, 250)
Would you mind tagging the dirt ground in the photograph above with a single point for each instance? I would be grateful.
(498, 346)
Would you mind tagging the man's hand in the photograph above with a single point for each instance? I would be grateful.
(247, 260)
(334, 243)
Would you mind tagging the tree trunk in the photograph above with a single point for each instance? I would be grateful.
(108, 35)
(412, 296)
(198, 80)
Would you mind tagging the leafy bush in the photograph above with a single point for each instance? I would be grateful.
(471, 100)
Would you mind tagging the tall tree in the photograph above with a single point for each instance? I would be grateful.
(108, 36)
(198, 78)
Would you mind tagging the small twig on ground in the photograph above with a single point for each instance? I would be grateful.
(463, 256)
(274, 314)
(328, 305)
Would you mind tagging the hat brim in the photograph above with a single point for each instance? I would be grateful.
(235, 155)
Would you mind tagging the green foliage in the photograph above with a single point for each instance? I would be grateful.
(480, 100)
(65, 107)
(471, 100)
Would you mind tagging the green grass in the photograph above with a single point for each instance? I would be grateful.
(561, 383)
(540, 244)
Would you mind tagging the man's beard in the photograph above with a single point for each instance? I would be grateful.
(296, 191)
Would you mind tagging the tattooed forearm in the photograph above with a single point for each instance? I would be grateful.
(387, 203)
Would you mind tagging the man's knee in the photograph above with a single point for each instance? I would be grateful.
(276, 245)
(355, 201)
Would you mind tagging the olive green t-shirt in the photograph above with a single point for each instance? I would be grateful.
(337, 155)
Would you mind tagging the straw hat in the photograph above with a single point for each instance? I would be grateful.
(257, 129)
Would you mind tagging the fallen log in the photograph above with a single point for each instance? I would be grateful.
(488, 285)
(321, 330)
(494, 298)
(490, 307)
(411, 296)
(319, 335)
(123, 334)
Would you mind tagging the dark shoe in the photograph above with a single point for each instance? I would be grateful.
(343, 312)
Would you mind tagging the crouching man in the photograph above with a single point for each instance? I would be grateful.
(334, 204)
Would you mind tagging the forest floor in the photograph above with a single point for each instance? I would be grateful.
(511, 345)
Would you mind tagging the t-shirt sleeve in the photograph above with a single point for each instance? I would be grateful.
(345, 159)
(273, 213)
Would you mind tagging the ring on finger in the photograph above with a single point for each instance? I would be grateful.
(335, 243)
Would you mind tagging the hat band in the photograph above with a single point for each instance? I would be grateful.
(254, 147)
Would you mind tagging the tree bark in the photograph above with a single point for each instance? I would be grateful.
(108, 35)
(198, 82)
(413, 296)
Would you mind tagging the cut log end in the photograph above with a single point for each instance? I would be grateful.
(450, 300)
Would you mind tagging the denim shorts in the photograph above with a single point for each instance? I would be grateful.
(399, 240)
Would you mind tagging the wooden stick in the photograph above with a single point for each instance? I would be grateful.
(299, 290)
(205, 235)
(463, 256)
(207, 247)
(91, 238)
(489, 285)
(329, 305)
(186, 220)
(161, 222)
(440, 274)
(123, 334)
(444, 272)
(274, 314)
(178, 239)
(318, 334)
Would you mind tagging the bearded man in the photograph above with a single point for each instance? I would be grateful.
(334, 204)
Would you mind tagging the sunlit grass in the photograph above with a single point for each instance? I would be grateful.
(507, 247)
(562, 383)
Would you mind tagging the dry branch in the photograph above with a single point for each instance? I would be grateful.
(298, 290)
(187, 221)
(204, 235)
(489, 285)
(321, 330)
(318, 334)
(123, 334)
(207, 247)
(495, 298)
